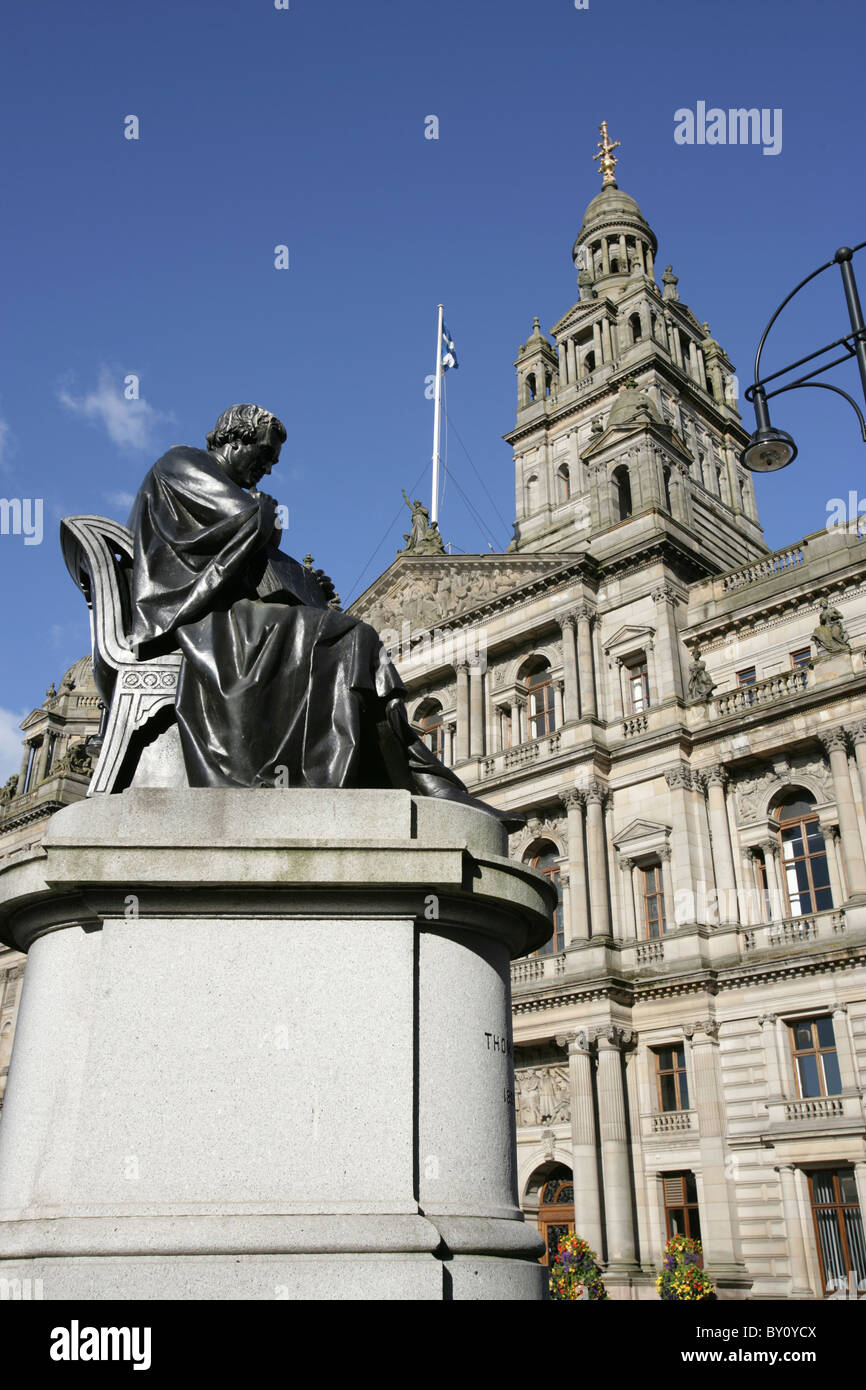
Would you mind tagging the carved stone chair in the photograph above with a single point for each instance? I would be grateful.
(138, 696)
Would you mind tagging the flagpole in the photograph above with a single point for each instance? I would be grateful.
(437, 418)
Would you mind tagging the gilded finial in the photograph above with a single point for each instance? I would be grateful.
(608, 159)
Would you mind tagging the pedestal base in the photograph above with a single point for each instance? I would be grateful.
(264, 1050)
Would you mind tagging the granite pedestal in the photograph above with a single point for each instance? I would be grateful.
(264, 1050)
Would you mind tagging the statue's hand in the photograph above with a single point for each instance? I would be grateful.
(270, 504)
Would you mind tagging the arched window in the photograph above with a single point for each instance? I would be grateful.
(636, 327)
(550, 1196)
(654, 327)
(563, 483)
(429, 717)
(531, 386)
(614, 263)
(548, 383)
(805, 874)
(555, 1213)
(589, 362)
(622, 492)
(540, 700)
(545, 858)
(684, 350)
(531, 494)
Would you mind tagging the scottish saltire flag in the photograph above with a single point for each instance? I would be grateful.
(449, 355)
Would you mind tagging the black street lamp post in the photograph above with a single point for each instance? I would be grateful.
(770, 449)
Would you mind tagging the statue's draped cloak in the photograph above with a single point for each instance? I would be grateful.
(275, 691)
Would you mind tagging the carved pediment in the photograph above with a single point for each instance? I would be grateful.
(638, 830)
(631, 635)
(427, 592)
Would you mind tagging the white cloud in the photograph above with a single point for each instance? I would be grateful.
(129, 424)
(11, 739)
(120, 499)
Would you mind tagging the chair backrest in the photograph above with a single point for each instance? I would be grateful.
(98, 555)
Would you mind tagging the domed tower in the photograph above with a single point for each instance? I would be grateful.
(632, 408)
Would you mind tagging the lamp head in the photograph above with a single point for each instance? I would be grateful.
(768, 450)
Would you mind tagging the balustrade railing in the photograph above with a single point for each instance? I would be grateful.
(765, 692)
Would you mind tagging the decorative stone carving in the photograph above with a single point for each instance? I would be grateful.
(424, 537)
(830, 637)
(426, 597)
(708, 1026)
(613, 1033)
(701, 684)
(9, 790)
(543, 1095)
(75, 761)
(679, 777)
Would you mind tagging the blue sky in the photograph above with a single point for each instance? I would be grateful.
(305, 127)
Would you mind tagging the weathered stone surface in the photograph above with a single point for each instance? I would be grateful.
(187, 1079)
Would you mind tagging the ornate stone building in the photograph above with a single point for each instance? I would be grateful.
(55, 771)
(681, 715)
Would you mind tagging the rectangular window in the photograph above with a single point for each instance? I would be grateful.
(681, 1205)
(838, 1229)
(653, 901)
(801, 657)
(672, 1082)
(541, 710)
(638, 686)
(816, 1064)
(745, 679)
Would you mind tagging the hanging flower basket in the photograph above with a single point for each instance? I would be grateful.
(575, 1272)
(681, 1278)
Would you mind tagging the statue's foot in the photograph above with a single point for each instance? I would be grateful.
(428, 784)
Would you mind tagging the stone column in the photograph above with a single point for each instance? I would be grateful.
(718, 1213)
(605, 256)
(558, 716)
(616, 1169)
(25, 763)
(800, 1286)
(40, 761)
(462, 711)
(774, 890)
(648, 257)
(751, 911)
(630, 923)
(858, 738)
(452, 743)
(588, 705)
(515, 721)
(844, 1048)
(723, 860)
(578, 912)
(599, 896)
(563, 363)
(852, 845)
(587, 1204)
(860, 1179)
(605, 341)
(667, 885)
(596, 343)
(669, 670)
(573, 364)
(767, 1024)
(476, 711)
(832, 841)
(567, 623)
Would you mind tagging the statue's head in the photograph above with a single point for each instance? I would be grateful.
(246, 440)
